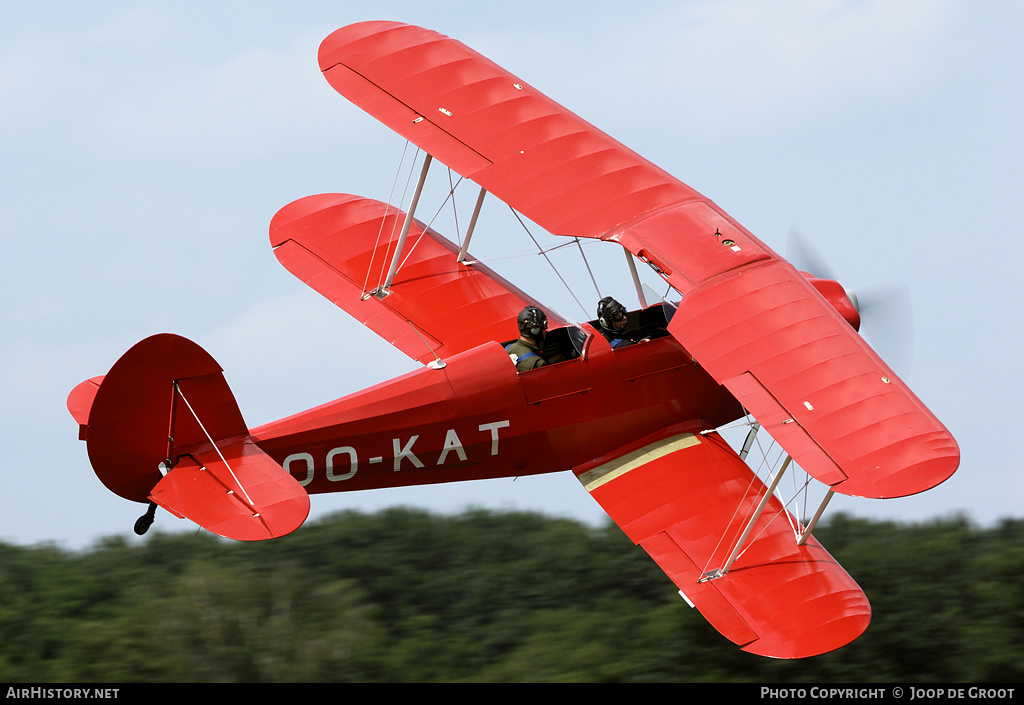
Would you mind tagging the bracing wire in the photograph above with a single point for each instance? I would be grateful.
(730, 534)
(736, 528)
(214, 444)
(789, 518)
(394, 225)
(589, 270)
(455, 209)
(542, 252)
(453, 185)
(520, 254)
(451, 193)
(383, 220)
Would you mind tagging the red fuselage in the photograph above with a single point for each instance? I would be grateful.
(477, 418)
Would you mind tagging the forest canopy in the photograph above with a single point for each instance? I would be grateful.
(408, 596)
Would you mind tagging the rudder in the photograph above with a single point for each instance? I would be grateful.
(163, 426)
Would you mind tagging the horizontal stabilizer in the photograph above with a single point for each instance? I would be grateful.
(685, 500)
(164, 403)
(80, 403)
(236, 491)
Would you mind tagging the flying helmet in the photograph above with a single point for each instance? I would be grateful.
(533, 323)
(608, 311)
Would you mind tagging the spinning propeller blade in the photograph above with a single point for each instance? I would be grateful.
(886, 311)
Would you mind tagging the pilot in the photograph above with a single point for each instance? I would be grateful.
(611, 319)
(533, 328)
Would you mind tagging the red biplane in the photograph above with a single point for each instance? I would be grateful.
(748, 336)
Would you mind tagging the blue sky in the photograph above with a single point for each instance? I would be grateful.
(146, 146)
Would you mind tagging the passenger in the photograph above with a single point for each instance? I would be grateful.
(611, 319)
(526, 352)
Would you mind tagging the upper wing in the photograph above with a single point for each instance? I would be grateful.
(340, 245)
(746, 315)
(685, 500)
(494, 128)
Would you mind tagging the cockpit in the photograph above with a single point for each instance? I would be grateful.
(566, 343)
(641, 325)
(561, 344)
(571, 343)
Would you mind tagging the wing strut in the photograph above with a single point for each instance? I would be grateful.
(751, 435)
(636, 278)
(817, 515)
(472, 225)
(382, 290)
(711, 575)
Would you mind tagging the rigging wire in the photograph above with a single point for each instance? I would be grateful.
(736, 528)
(451, 193)
(382, 273)
(455, 205)
(541, 251)
(214, 444)
(453, 185)
(589, 271)
(520, 254)
(387, 209)
(732, 528)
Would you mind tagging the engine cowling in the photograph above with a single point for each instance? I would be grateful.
(842, 300)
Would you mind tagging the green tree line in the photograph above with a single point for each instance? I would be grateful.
(409, 596)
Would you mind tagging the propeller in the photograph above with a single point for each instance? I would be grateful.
(887, 316)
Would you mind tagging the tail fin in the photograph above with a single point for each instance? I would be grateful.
(163, 426)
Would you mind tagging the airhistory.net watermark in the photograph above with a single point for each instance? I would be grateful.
(51, 693)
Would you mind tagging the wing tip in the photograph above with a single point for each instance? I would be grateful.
(821, 640)
(927, 470)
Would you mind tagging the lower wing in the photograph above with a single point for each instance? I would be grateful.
(436, 306)
(686, 500)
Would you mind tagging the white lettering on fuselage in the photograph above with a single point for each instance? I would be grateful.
(405, 452)
(342, 462)
(352, 461)
(451, 443)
